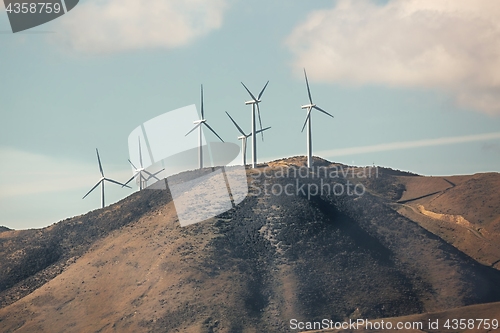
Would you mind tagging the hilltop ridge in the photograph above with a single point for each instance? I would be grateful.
(131, 267)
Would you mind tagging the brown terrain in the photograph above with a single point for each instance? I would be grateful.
(471, 315)
(412, 246)
(463, 210)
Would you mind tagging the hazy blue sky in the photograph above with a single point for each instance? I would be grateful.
(413, 85)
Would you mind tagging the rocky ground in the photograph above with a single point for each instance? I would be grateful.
(131, 268)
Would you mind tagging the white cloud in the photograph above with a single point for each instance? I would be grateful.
(25, 173)
(448, 45)
(37, 190)
(409, 144)
(105, 26)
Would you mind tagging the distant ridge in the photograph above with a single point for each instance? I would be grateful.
(2, 228)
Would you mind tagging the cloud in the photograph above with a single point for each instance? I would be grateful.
(409, 144)
(107, 26)
(447, 45)
(28, 173)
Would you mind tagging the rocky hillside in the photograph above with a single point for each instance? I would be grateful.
(304, 254)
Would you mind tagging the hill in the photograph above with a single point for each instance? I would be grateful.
(2, 229)
(463, 210)
(130, 267)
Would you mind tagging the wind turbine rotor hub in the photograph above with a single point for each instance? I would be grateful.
(308, 106)
(252, 102)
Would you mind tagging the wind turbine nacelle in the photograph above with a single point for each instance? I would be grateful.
(308, 106)
(199, 121)
(252, 102)
(242, 137)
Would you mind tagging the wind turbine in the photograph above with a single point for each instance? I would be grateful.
(309, 108)
(243, 138)
(254, 102)
(101, 181)
(138, 172)
(199, 124)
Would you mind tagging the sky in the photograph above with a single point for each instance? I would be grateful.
(413, 84)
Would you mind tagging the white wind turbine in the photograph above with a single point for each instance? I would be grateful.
(243, 138)
(101, 182)
(254, 102)
(199, 124)
(309, 108)
(139, 172)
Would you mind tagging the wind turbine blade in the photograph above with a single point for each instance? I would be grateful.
(260, 121)
(262, 91)
(235, 124)
(251, 95)
(307, 118)
(262, 130)
(99, 160)
(98, 183)
(135, 175)
(308, 90)
(197, 125)
(320, 109)
(210, 128)
(132, 164)
(157, 172)
(151, 175)
(154, 174)
(140, 152)
(118, 183)
(202, 110)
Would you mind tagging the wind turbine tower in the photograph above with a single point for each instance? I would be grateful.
(101, 182)
(309, 108)
(255, 102)
(139, 172)
(244, 138)
(199, 124)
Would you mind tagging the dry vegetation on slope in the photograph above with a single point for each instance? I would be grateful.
(131, 267)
